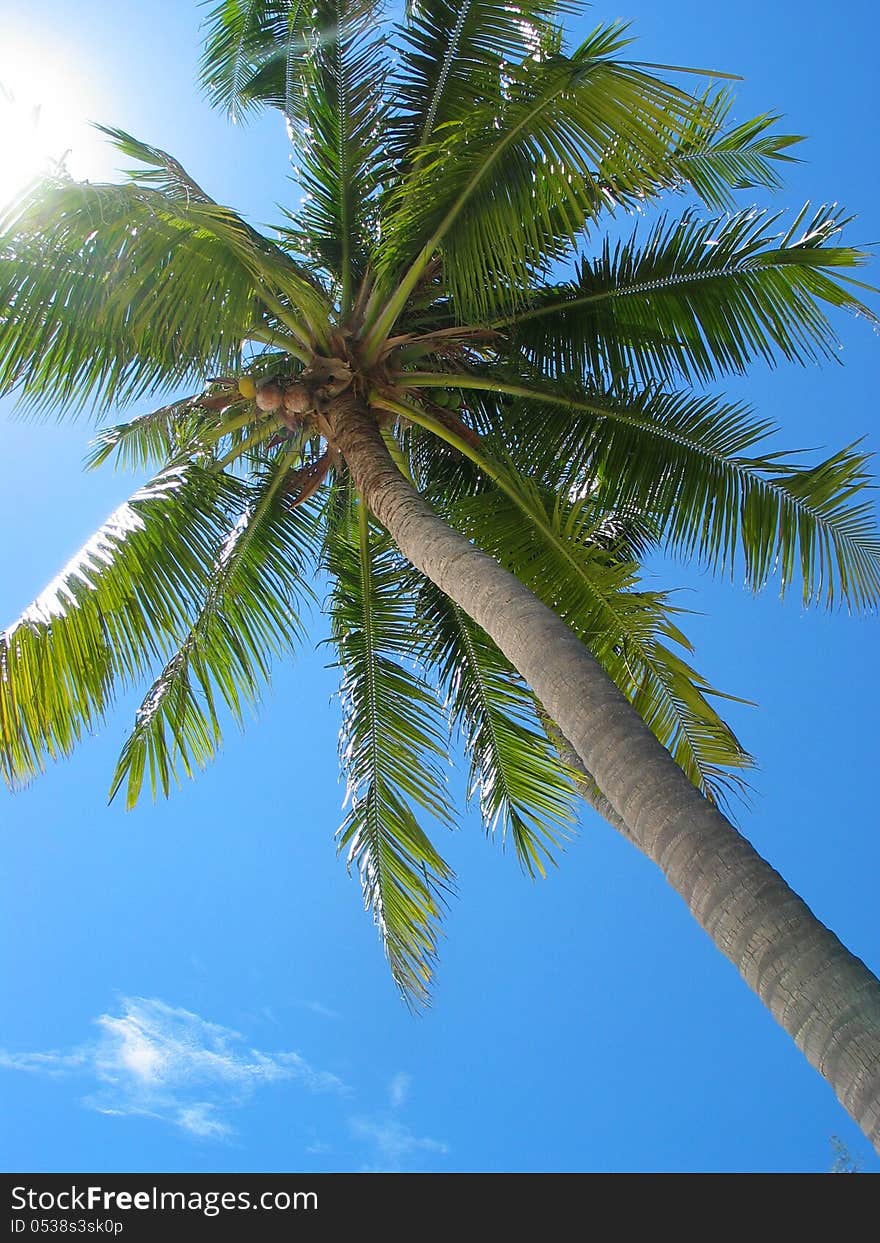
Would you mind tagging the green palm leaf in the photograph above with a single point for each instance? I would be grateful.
(697, 299)
(248, 614)
(325, 67)
(451, 48)
(685, 462)
(251, 54)
(629, 631)
(165, 174)
(175, 433)
(392, 748)
(342, 158)
(113, 610)
(715, 161)
(525, 795)
(507, 189)
(117, 290)
(160, 436)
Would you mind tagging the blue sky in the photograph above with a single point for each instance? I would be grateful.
(195, 985)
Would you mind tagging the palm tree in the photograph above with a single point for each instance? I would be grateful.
(434, 388)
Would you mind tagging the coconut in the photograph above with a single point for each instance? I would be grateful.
(269, 396)
(297, 399)
(246, 387)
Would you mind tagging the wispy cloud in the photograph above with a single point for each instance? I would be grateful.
(160, 1061)
(318, 1007)
(398, 1089)
(53, 1063)
(393, 1144)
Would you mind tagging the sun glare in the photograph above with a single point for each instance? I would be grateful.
(45, 114)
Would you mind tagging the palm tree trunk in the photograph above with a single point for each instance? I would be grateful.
(825, 998)
(585, 782)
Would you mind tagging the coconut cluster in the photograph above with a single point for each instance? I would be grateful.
(294, 398)
(289, 399)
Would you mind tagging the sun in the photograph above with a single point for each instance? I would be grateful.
(45, 113)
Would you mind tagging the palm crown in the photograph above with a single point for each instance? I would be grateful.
(442, 269)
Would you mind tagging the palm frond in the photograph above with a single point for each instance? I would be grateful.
(250, 612)
(195, 427)
(163, 172)
(392, 748)
(450, 48)
(631, 632)
(158, 436)
(251, 53)
(262, 54)
(696, 299)
(112, 291)
(566, 553)
(116, 607)
(716, 160)
(525, 794)
(342, 153)
(689, 463)
(272, 263)
(505, 190)
(713, 160)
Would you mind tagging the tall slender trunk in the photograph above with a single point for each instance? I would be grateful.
(585, 782)
(825, 998)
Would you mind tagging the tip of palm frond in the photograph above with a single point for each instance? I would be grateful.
(722, 74)
(407, 901)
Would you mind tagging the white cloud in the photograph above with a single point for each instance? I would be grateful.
(42, 1063)
(393, 1142)
(159, 1061)
(132, 1049)
(202, 1120)
(318, 1007)
(398, 1089)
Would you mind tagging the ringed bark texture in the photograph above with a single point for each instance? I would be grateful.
(825, 998)
(585, 782)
